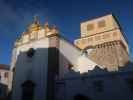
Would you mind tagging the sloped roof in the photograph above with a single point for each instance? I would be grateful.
(4, 67)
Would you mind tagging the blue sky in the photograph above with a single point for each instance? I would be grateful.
(66, 14)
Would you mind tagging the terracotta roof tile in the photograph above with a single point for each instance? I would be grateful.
(4, 66)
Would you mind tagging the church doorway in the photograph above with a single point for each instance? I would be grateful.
(80, 97)
(28, 90)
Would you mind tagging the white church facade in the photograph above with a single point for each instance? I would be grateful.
(45, 66)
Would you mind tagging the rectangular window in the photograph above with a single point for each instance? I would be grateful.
(90, 27)
(25, 38)
(41, 34)
(33, 35)
(101, 23)
(6, 75)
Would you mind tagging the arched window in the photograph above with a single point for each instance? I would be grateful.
(80, 97)
(28, 90)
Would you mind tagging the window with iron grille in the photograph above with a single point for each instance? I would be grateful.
(101, 23)
(90, 27)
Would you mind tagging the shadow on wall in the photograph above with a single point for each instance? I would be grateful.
(97, 84)
(80, 97)
(32, 66)
(3, 91)
(66, 65)
(37, 56)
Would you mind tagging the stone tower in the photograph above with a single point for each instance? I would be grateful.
(104, 35)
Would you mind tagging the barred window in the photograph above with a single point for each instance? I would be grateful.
(101, 23)
(6, 74)
(90, 27)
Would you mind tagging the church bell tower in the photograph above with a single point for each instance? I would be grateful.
(105, 37)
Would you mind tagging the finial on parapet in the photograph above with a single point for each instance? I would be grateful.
(54, 29)
(36, 19)
(35, 25)
(46, 25)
